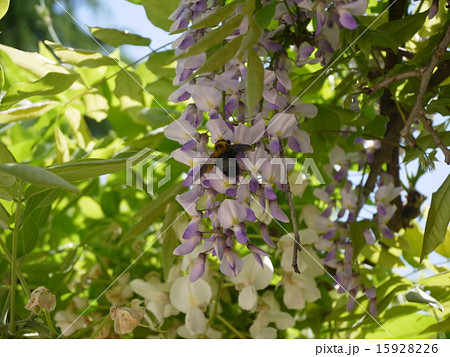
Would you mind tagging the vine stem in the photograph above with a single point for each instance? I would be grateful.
(50, 323)
(12, 319)
(81, 332)
(230, 326)
(297, 246)
(216, 303)
(18, 272)
(106, 319)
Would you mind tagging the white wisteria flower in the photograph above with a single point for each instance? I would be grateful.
(252, 277)
(269, 312)
(191, 298)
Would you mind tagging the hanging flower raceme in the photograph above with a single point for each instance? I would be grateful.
(222, 205)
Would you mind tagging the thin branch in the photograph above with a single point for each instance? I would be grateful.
(437, 140)
(398, 77)
(417, 108)
(297, 246)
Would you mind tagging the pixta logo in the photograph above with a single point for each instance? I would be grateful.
(145, 164)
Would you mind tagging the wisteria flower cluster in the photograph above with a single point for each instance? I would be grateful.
(221, 208)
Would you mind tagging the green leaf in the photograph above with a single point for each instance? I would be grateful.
(80, 58)
(168, 238)
(158, 12)
(213, 38)
(377, 126)
(220, 57)
(425, 140)
(437, 220)
(37, 176)
(345, 116)
(5, 155)
(443, 326)
(156, 117)
(41, 199)
(444, 248)
(357, 236)
(442, 279)
(2, 77)
(251, 38)
(264, 15)
(403, 326)
(85, 169)
(151, 212)
(129, 90)
(96, 106)
(27, 111)
(110, 203)
(4, 6)
(255, 80)
(158, 63)
(28, 235)
(115, 38)
(79, 127)
(51, 84)
(4, 217)
(403, 29)
(62, 146)
(32, 62)
(161, 88)
(217, 16)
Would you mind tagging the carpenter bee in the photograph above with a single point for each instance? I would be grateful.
(412, 208)
(224, 157)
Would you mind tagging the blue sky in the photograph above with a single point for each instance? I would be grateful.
(123, 15)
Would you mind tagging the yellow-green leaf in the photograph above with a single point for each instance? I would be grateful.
(442, 279)
(32, 62)
(115, 38)
(255, 80)
(4, 6)
(217, 16)
(26, 112)
(37, 176)
(437, 220)
(214, 37)
(96, 106)
(151, 211)
(81, 58)
(51, 84)
(129, 90)
(62, 146)
(221, 56)
(444, 248)
(79, 127)
(2, 77)
(158, 12)
(168, 238)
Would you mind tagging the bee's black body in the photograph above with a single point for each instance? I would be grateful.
(224, 157)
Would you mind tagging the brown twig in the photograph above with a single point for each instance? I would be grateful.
(297, 246)
(398, 77)
(417, 108)
(437, 140)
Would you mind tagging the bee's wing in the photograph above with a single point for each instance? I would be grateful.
(207, 165)
(237, 148)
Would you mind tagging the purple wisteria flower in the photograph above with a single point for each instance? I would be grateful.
(222, 207)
